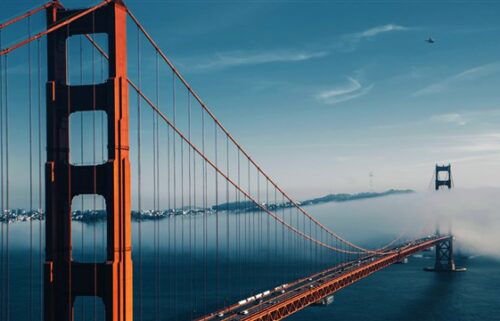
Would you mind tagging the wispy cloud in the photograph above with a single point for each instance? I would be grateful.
(242, 58)
(450, 118)
(460, 118)
(350, 41)
(353, 89)
(489, 142)
(467, 75)
(346, 42)
(372, 32)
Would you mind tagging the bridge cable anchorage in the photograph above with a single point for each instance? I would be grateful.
(204, 107)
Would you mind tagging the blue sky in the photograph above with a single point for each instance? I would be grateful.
(323, 92)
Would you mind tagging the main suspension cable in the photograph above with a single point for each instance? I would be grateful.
(219, 171)
(56, 26)
(208, 111)
(26, 15)
(205, 108)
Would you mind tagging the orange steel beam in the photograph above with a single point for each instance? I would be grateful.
(230, 308)
(25, 15)
(55, 25)
(66, 279)
(302, 300)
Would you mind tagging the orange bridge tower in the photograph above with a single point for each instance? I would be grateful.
(66, 279)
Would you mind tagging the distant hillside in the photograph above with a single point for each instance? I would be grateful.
(249, 206)
(354, 197)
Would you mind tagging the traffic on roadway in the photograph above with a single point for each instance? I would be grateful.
(261, 301)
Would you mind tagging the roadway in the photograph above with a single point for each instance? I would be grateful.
(289, 298)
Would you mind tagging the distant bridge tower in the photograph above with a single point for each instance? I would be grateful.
(443, 180)
(444, 257)
(65, 278)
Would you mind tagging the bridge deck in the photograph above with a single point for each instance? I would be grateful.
(290, 298)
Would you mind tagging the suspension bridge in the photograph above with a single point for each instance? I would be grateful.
(101, 137)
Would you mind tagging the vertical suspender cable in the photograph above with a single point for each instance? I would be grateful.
(39, 82)
(157, 213)
(94, 172)
(156, 166)
(246, 230)
(174, 194)
(296, 250)
(139, 196)
(30, 146)
(153, 136)
(283, 257)
(155, 173)
(238, 221)
(258, 235)
(7, 190)
(169, 204)
(191, 267)
(276, 256)
(290, 242)
(216, 222)
(82, 162)
(283, 248)
(182, 246)
(181, 146)
(205, 213)
(68, 113)
(304, 243)
(103, 159)
(268, 225)
(195, 236)
(251, 225)
(311, 254)
(2, 223)
(228, 249)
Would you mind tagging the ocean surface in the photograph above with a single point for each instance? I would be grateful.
(180, 279)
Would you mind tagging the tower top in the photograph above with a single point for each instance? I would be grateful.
(440, 179)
